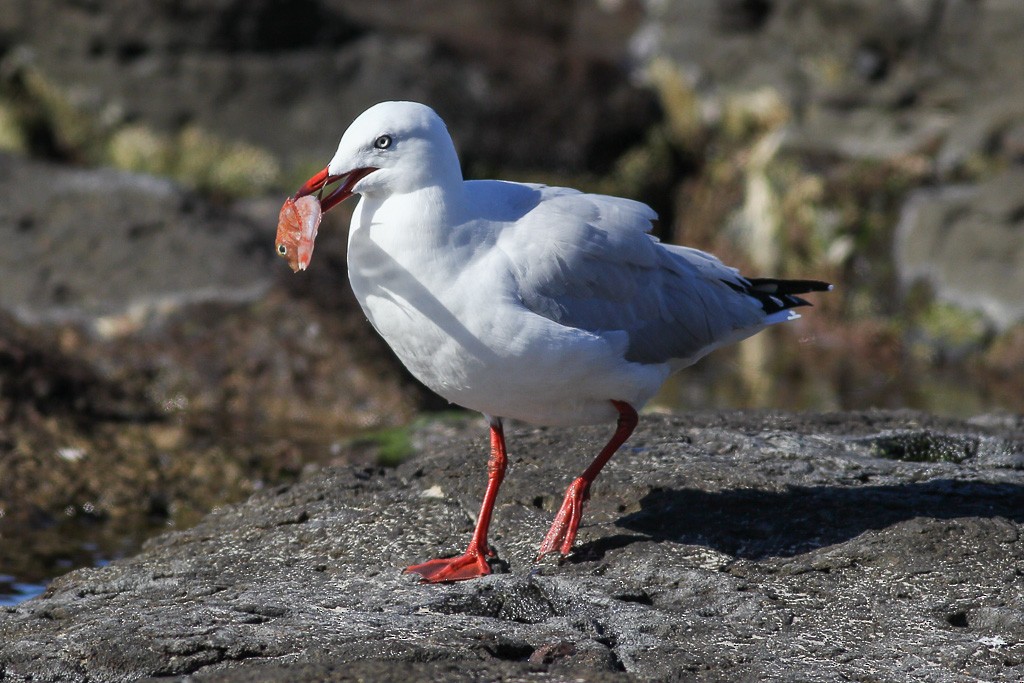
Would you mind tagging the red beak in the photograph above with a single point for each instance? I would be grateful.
(340, 193)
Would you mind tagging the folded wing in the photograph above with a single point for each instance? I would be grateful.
(587, 261)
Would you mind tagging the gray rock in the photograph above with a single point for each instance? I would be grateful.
(992, 127)
(722, 546)
(967, 243)
(547, 75)
(113, 250)
(865, 79)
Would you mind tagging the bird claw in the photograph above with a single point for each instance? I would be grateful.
(563, 530)
(470, 565)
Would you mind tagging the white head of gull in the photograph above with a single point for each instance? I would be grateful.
(527, 302)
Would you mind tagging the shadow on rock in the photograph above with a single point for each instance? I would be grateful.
(754, 524)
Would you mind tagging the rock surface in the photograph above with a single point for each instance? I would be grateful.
(929, 89)
(253, 69)
(838, 109)
(866, 79)
(157, 359)
(721, 546)
(967, 243)
(110, 249)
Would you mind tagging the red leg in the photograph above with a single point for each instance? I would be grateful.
(472, 563)
(567, 522)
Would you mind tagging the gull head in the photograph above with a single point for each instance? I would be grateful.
(391, 148)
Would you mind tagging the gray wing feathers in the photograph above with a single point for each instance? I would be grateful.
(586, 261)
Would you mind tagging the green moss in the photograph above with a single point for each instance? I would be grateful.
(952, 326)
(137, 148)
(12, 134)
(197, 158)
(39, 117)
(230, 166)
(924, 446)
(752, 113)
(73, 132)
(392, 445)
(680, 102)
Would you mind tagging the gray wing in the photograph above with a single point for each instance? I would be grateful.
(586, 261)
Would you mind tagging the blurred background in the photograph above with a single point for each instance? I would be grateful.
(157, 360)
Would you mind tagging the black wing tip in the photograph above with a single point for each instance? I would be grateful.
(798, 301)
(776, 286)
(777, 295)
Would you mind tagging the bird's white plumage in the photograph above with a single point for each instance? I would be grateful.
(524, 301)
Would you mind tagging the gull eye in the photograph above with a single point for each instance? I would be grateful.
(282, 250)
(383, 142)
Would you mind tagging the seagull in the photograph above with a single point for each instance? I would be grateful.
(521, 301)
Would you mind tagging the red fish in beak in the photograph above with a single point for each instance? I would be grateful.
(300, 215)
(296, 231)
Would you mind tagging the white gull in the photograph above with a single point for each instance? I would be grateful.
(527, 302)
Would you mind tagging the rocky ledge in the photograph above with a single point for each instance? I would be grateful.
(717, 547)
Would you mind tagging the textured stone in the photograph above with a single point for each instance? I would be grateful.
(112, 249)
(967, 243)
(252, 69)
(724, 546)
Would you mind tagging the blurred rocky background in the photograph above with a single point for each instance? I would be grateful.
(156, 361)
